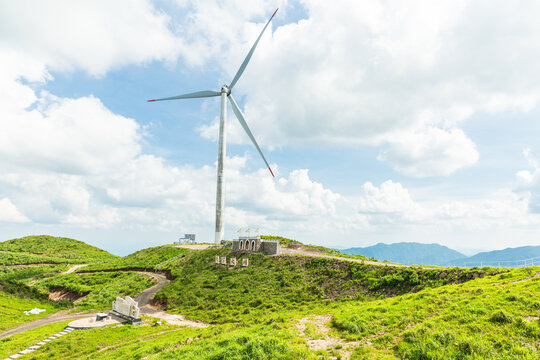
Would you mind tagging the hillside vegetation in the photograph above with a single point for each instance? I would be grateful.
(157, 258)
(49, 249)
(289, 307)
(216, 293)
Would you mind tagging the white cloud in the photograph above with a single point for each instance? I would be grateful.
(529, 182)
(374, 72)
(94, 35)
(358, 73)
(9, 212)
(431, 152)
(65, 135)
(389, 198)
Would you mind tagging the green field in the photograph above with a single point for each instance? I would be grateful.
(286, 307)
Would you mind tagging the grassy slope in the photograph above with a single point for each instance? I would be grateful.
(99, 289)
(408, 313)
(490, 318)
(156, 258)
(12, 310)
(17, 342)
(45, 248)
(214, 293)
(495, 317)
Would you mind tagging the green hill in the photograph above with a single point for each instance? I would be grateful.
(156, 258)
(50, 249)
(294, 306)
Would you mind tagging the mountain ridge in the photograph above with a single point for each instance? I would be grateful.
(408, 253)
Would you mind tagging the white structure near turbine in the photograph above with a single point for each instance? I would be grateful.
(226, 93)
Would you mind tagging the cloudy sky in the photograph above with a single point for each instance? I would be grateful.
(384, 121)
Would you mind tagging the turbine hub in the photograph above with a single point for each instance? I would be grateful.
(225, 89)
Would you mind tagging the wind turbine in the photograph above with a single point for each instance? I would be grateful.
(225, 93)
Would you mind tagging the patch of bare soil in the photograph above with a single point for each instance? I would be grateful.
(527, 278)
(172, 319)
(316, 332)
(73, 268)
(196, 246)
(58, 294)
(308, 252)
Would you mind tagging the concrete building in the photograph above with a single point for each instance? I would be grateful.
(187, 239)
(255, 244)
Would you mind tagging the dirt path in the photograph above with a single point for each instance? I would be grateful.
(73, 268)
(315, 329)
(195, 246)
(53, 318)
(146, 296)
(144, 299)
(314, 254)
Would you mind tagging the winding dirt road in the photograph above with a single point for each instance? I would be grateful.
(143, 298)
(305, 252)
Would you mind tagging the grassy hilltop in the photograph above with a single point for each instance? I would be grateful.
(285, 307)
(49, 249)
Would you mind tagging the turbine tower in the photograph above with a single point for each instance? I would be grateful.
(225, 93)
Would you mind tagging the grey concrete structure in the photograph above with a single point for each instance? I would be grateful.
(255, 244)
(187, 239)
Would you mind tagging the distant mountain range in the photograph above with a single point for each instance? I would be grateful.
(409, 253)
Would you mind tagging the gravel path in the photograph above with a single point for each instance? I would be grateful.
(315, 254)
(73, 268)
(53, 318)
(143, 298)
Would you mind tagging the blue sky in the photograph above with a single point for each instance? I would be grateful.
(402, 121)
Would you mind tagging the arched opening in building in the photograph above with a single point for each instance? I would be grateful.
(253, 245)
(241, 245)
(247, 245)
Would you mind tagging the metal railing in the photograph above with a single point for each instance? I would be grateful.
(535, 261)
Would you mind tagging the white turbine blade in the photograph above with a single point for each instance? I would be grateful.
(242, 121)
(250, 53)
(198, 94)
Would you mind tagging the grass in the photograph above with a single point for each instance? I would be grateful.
(51, 249)
(271, 285)
(171, 342)
(456, 321)
(156, 258)
(16, 258)
(17, 342)
(489, 318)
(98, 289)
(12, 310)
(386, 312)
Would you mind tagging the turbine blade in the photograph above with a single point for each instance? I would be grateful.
(242, 121)
(198, 94)
(250, 53)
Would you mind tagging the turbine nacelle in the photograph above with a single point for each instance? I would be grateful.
(225, 89)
